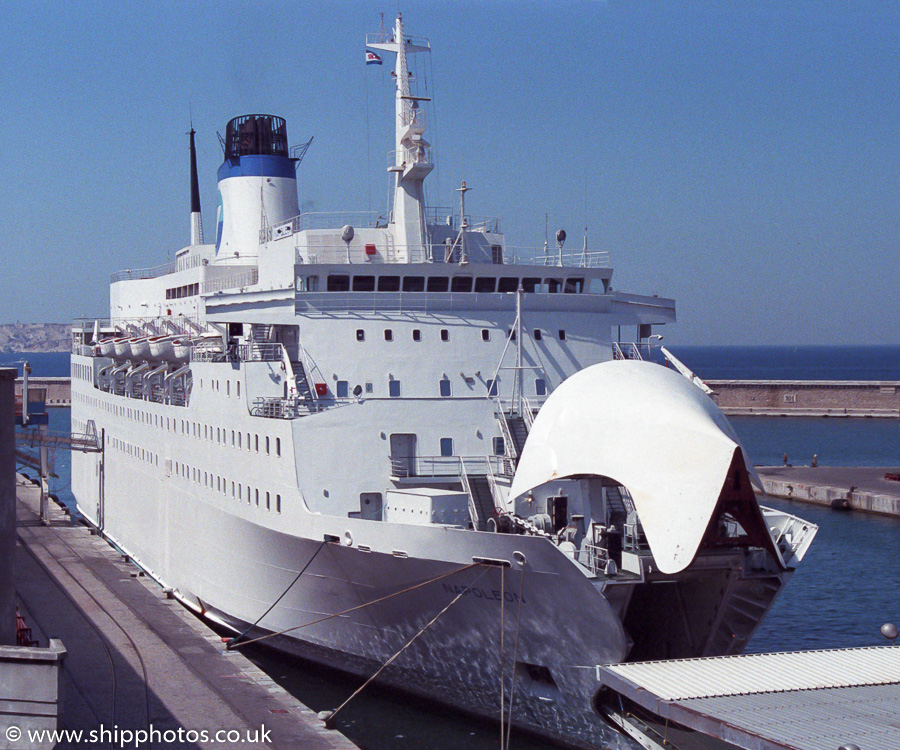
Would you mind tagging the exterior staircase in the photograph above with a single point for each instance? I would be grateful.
(518, 431)
(483, 500)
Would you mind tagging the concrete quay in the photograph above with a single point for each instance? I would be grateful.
(845, 487)
(138, 661)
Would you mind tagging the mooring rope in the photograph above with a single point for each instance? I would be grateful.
(329, 722)
(361, 606)
(234, 640)
(502, 660)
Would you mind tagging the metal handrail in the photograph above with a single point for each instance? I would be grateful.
(467, 487)
(234, 281)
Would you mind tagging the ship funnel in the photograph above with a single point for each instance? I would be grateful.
(257, 185)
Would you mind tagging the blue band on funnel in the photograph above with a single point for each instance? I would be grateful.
(256, 165)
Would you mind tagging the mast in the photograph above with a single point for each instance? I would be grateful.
(411, 161)
(196, 216)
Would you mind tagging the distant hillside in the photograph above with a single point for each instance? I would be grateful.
(35, 337)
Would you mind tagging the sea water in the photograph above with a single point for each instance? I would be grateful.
(845, 589)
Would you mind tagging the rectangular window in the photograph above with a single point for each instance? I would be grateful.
(267, 445)
(507, 285)
(338, 283)
(553, 285)
(499, 446)
(461, 284)
(256, 443)
(394, 388)
(540, 387)
(342, 389)
(562, 335)
(529, 285)
(256, 493)
(278, 446)
(388, 334)
(416, 334)
(485, 334)
(413, 283)
(363, 283)
(445, 387)
(388, 283)
(492, 387)
(360, 334)
(485, 284)
(446, 446)
(537, 334)
(438, 283)
(278, 503)
(268, 503)
(497, 254)
(574, 286)
(445, 334)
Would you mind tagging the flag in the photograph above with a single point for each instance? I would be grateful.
(372, 58)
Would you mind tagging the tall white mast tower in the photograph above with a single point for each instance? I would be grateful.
(411, 160)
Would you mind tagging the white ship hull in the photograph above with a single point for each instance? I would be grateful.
(347, 412)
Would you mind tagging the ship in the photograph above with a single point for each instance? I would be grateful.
(399, 446)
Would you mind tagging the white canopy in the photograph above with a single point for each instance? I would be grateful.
(649, 429)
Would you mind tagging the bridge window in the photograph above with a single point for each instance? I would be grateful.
(363, 283)
(438, 283)
(388, 283)
(485, 284)
(574, 286)
(339, 283)
(461, 284)
(598, 286)
(446, 446)
(507, 284)
(553, 286)
(530, 285)
(413, 283)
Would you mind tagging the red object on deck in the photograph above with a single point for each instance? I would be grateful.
(23, 632)
(893, 476)
(321, 389)
(370, 249)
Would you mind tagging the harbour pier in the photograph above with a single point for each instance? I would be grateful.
(137, 660)
(864, 488)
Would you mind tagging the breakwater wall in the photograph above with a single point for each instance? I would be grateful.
(808, 398)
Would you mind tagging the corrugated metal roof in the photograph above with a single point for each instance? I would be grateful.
(808, 700)
(764, 673)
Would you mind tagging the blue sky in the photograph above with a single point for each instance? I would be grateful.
(741, 157)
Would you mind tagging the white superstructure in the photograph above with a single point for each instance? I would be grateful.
(332, 416)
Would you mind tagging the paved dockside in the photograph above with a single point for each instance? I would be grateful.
(859, 487)
(136, 659)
